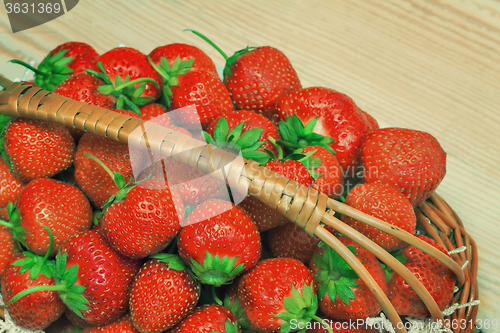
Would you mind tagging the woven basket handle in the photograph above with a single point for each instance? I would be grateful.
(304, 206)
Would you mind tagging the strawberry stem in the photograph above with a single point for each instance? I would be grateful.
(209, 42)
(104, 166)
(25, 292)
(319, 320)
(6, 224)
(278, 147)
(28, 66)
(134, 82)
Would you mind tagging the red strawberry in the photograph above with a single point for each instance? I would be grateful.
(219, 247)
(60, 206)
(409, 160)
(437, 278)
(82, 87)
(184, 52)
(387, 204)
(128, 76)
(38, 148)
(64, 60)
(154, 110)
(273, 282)
(206, 92)
(146, 221)
(94, 181)
(257, 78)
(372, 122)
(349, 326)
(291, 241)
(121, 325)
(342, 295)
(39, 309)
(106, 276)
(250, 121)
(163, 294)
(338, 118)
(8, 248)
(329, 177)
(208, 319)
(10, 185)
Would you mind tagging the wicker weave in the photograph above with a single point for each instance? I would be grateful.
(304, 206)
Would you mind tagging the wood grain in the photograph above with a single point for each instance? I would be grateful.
(432, 65)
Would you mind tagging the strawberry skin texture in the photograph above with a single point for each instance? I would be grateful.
(10, 185)
(161, 297)
(122, 325)
(260, 78)
(437, 279)
(202, 62)
(231, 233)
(60, 206)
(146, 221)
(338, 118)
(84, 55)
(37, 310)
(106, 275)
(91, 177)
(370, 120)
(125, 61)
(8, 249)
(291, 241)
(262, 290)
(411, 161)
(83, 87)
(206, 92)
(291, 169)
(387, 204)
(331, 180)
(364, 305)
(252, 120)
(206, 319)
(38, 148)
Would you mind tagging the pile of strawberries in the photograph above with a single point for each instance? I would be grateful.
(81, 236)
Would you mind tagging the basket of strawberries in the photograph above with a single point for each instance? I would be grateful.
(143, 193)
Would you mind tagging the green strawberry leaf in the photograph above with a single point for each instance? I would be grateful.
(18, 232)
(172, 260)
(216, 271)
(221, 130)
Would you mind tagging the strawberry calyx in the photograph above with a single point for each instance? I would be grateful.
(235, 141)
(306, 159)
(172, 260)
(18, 232)
(170, 73)
(216, 271)
(239, 312)
(229, 327)
(69, 292)
(37, 264)
(334, 276)
(128, 97)
(295, 135)
(388, 270)
(123, 187)
(300, 308)
(230, 61)
(52, 70)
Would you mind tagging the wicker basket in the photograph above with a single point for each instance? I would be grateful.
(304, 206)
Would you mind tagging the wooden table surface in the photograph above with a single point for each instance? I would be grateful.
(431, 65)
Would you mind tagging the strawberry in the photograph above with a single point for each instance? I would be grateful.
(38, 148)
(44, 306)
(10, 185)
(236, 124)
(337, 326)
(338, 118)
(372, 122)
(342, 295)
(207, 319)
(146, 221)
(387, 204)
(409, 160)
(8, 248)
(60, 206)
(276, 292)
(128, 76)
(92, 178)
(175, 294)
(66, 59)
(257, 78)
(82, 87)
(437, 278)
(329, 177)
(206, 92)
(220, 247)
(291, 241)
(154, 110)
(122, 325)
